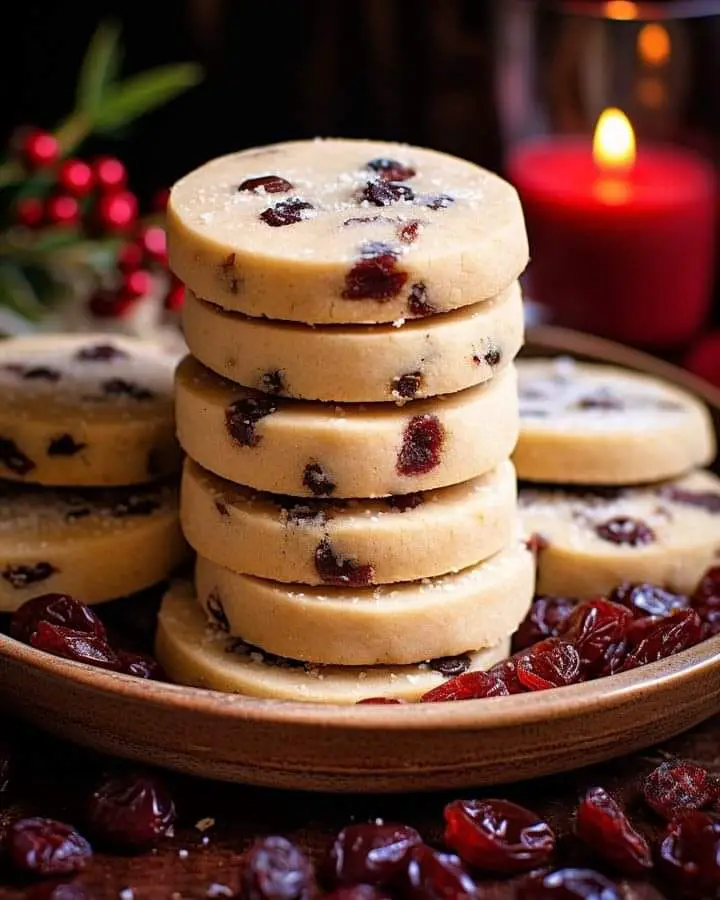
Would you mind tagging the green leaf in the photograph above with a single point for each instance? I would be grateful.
(141, 93)
(17, 293)
(100, 67)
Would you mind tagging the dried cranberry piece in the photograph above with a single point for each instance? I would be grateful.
(366, 220)
(64, 445)
(707, 500)
(689, 854)
(385, 193)
(131, 811)
(408, 233)
(497, 835)
(370, 853)
(41, 373)
(435, 876)
(120, 387)
(21, 576)
(421, 445)
(647, 599)
(357, 892)
(230, 276)
(706, 601)
(287, 212)
(141, 665)
(379, 701)
(451, 666)
(418, 302)
(216, 610)
(337, 570)
(270, 184)
(12, 457)
(638, 630)
(626, 531)
(506, 672)
(435, 201)
(57, 609)
(549, 664)
(62, 890)
(391, 169)
(604, 827)
(671, 635)
(135, 506)
(100, 353)
(568, 884)
(45, 847)
(375, 275)
(468, 686)
(536, 543)
(492, 357)
(596, 628)
(603, 399)
(273, 382)
(679, 786)
(275, 869)
(406, 386)
(404, 502)
(545, 618)
(242, 416)
(317, 480)
(75, 645)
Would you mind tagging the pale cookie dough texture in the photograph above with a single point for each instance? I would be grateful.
(319, 541)
(93, 544)
(586, 423)
(195, 653)
(323, 450)
(666, 534)
(396, 624)
(339, 230)
(359, 363)
(86, 410)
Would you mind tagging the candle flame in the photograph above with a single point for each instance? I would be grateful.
(614, 141)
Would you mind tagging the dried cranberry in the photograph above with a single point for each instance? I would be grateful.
(549, 664)
(568, 884)
(391, 169)
(602, 399)
(100, 353)
(357, 892)
(12, 457)
(338, 570)
(604, 827)
(435, 201)
(596, 628)
(242, 416)
(63, 890)
(492, 357)
(678, 787)
(418, 302)
(375, 275)
(41, 373)
(647, 599)
(57, 609)
(626, 531)
(707, 500)
(421, 445)
(222, 508)
(451, 666)
(367, 220)
(230, 276)
(317, 480)
(497, 835)
(385, 193)
(706, 601)
(468, 686)
(287, 212)
(408, 233)
(405, 502)
(120, 387)
(46, 847)
(379, 701)
(638, 630)
(275, 869)
(671, 635)
(64, 445)
(140, 665)
(21, 576)
(273, 382)
(370, 853)
(406, 386)
(75, 645)
(689, 854)
(269, 184)
(131, 811)
(506, 672)
(435, 876)
(216, 610)
(544, 619)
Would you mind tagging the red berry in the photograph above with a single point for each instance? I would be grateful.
(468, 686)
(29, 211)
(138, 283)
(435, 876)
(62, 209)
(40, 149)
(131, 811)
(75, 645)
(117, 212)
(46, 847)
(130, 257)
(370, 853)
(568, 884)
(689, 856)
(110, 174)
(153, 241)
(605, 828)
(175, 297)
(548, 664)
(275, 869)
(678, 787)
(58, 609)
(379, 701)
(76, 177)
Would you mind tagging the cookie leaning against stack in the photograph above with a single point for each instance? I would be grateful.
(87, 448)
(348, 412)
(615, 488)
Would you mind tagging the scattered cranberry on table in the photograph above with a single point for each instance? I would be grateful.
(607, 831)
(43, 847)
(678, 787)
(370, 853)
(131, 812)
(275, 869)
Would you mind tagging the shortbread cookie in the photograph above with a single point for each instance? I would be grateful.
(344, 230)
(587, 423)
(196, 653)
(320, 449)
(360, 625)
(87, 410)
(315, 541)
(666, 534)
(359, 363)
(94, 544)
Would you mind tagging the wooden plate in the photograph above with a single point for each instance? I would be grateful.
(376, 748)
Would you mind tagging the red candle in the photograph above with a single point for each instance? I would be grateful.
(621, 240)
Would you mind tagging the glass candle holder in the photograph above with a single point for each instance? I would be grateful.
(610, 121)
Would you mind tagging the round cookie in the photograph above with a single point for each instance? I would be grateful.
(322, 541)
(666, 534)
(320, 449)
(94, 544)
(195, 653)
(358, 363)
(86, 410)
(586, 423)
(397, 624)
(338, 230)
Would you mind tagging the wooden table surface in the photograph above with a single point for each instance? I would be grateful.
(53, 779)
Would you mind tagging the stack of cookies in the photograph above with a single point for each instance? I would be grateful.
(615, 487)
(87, 459)
(348, 413)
